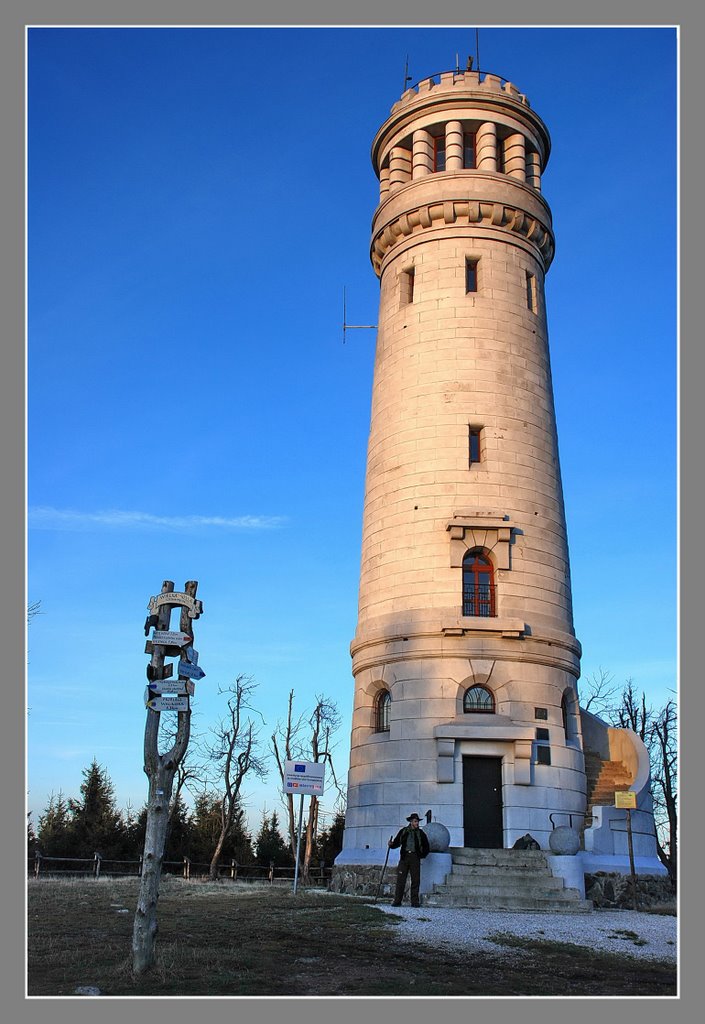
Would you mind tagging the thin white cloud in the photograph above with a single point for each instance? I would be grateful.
(44, 517)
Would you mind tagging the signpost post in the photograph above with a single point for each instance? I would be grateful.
(627, 801)
(172, 696)
(303, 778)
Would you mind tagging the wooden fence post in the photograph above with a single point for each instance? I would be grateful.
(37, 863)
(233, 869)
(96, 865)
(139, 867)
(187, 868)
(271, 872)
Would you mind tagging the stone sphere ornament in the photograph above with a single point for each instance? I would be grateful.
(564, 841)
(438, 836)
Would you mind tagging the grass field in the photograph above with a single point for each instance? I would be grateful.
(221, 939)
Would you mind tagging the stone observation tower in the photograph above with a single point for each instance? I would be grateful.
(465, 659)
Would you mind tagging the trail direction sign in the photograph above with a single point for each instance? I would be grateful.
(185, 668)
(168, 702)
(167, 637)
(304, 778)
(180, 686)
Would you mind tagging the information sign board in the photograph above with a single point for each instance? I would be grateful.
(625, 800)
(304, 778)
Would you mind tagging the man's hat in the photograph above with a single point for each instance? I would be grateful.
(413, 817)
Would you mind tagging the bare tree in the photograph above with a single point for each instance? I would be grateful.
(33, 610)
(235, 755)
(323, 722)
(664, 750)
(597, 692)
(289, 743)
(285, 740)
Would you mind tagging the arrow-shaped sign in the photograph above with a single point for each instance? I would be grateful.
(170, 636)
(168, 702)
(180, 686)
(185, 668)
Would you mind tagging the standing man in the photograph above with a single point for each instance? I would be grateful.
(413, 846)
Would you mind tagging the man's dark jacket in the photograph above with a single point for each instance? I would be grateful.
(420, 838)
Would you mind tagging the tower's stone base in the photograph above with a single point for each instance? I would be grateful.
(364, 879)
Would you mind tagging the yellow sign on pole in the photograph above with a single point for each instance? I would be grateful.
(625, 800)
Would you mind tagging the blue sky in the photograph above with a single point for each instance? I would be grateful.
(197, 200)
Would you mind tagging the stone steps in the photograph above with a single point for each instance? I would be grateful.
(545, 885)
(514, 859)
(604, 779)
(471, 871)
(569, 902)
(518, 880)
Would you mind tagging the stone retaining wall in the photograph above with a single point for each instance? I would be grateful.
(362, 880)
(611, 890)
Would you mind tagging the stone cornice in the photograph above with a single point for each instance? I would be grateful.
(464, 213)
(451, 636)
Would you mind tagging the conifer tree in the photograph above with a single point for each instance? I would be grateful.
(270, 845)
(54, 838)
(96, 823)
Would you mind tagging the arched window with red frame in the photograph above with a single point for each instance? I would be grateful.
(478, 585)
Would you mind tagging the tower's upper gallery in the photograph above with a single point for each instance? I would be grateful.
(460, 121)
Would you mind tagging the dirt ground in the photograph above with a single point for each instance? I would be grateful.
(230, 939)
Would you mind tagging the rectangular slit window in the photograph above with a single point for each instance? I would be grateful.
(543, 755)
(474, 445)
(542, 735)
(471, 275)
(439, 153)
(407, 286)
(500, 156)
(469, 150)
(541, 713)
(530, 292)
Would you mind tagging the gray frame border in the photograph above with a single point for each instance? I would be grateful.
(691, 18)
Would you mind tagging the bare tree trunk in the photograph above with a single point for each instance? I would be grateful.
(236, 747)
(160, 769)
(288, 735)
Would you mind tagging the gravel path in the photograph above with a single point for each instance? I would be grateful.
(611, 931)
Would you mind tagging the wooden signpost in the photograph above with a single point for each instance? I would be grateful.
(160, 769)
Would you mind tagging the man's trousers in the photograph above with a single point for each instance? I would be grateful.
(409, 865)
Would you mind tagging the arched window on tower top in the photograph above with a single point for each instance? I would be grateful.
(478, 585)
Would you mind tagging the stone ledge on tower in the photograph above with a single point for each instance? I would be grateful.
(492, 727)
(478, 528)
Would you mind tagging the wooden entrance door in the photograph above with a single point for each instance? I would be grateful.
(482, 802)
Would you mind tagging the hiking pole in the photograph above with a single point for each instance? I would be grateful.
(381, 877)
